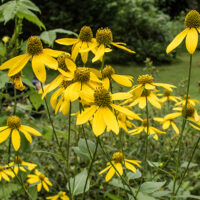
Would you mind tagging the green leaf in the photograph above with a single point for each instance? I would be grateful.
(78, 182)
(36, 100)
(3, 79)
(142, 196)
(48, 37)
(33, 192)
(23, 12)
(136, 175)
(6, 189)
(61, 30)
(150, 187)
(9, 10)
(113, 197)
(191, 164)
(161, 193)
(2, 49)
(30, 5)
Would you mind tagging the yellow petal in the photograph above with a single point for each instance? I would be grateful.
(39, 68)
(142, 102)
(49, 61)
(122, 80)
(165, 85)
(39, 187)
(16, 140)
(175, 128)
(104, 170)
(106, 83)
(86, 115)
(67, 41)
(154, 101)
(74, 91)
(84, 55)
(119, 169)
(30, 130)
(27, 135)
(110, 174)
(20, 65)
(75, 50)
(149, 86)
(70, 64)
(45, 186)
(166, 124)
(110, 119)
(98, 124)
(191, 40)
(130, 167)
(177, 40)
(99, 53)
(137, 92)
(121, 96)
(4, 134)
(55, 96)
(122, 47)
(53, 53)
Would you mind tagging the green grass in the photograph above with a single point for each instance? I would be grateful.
(174, 73)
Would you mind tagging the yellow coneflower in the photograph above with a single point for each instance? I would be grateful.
(61, 195)
(118, 162)
(40, 58)
(101, 106)
(109, 73)
(183, 101)
(14, 127)
(6, 173)
(168, 121)
(192, 22)
(84, 41)
(152, 130)
(167, 96)
(40, 180)
(104, 38)
(19, 164)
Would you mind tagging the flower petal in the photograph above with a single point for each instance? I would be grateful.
(30, 130)
(122, 80)
(110, 174)
(16, 140)
(49, 61)
(4, 134)
(67, 41)
(191, 40)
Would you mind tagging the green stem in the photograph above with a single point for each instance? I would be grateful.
(90, 167)
(183, 125)
(110, 161)
(186, 170)
(147, 134)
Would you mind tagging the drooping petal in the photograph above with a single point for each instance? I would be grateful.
(16, 140)
(70, 64)
(191, 40)
(49, 61)
(39, 187)
(177, 40)
(121, 96)
(67, 41)
(4, 134)
(166, 124)
(98, 124)
(165, 85)
(175, 128)
(75, 50)
(119, 169)
(53, 53)
(39, 68)
(122, 80)
(84, 55)
(110, 174)
(30, 130)
(86, 115)
(122, 47)
(110, 119)
(104, 170)
(130, 167)
(106, 83)
(27, 135)
(45, 186)
(19, 66)
(99, 53)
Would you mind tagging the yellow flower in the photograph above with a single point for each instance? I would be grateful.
(143, 127)
(151, 97)
(5, 172)
(61, 195)
(118, 162)
(84, 41)
(13, 127)
(147, 82)
(168, 97)
(40, 58)
(191, 101)
(101, 106)
(168, 121)
(108, 72)
(40, 180)
(22, 165)
(104, 38)
(191, 113)
(192, 22)
(16, 79)
(5, 39)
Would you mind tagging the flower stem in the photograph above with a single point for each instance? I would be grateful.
(147, 134)
(90, 167)
(183, 125)
(186, 170)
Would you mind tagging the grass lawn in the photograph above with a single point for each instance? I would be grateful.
(173, 73)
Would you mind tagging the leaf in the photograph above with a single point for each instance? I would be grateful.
(33, 192)
(2, 49)
(150, 187)
(48, 37)
(61, 30)
(30, 5)
(136, 175)
(161, 193)
(3, 79)
(9, 10)
(6, 189)
(36, 100)
(191, 165)
(142, 196)
(78, 182)
(118, 183)
(112, 196)
(83, 146)
(81, 154)
(23, 12)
